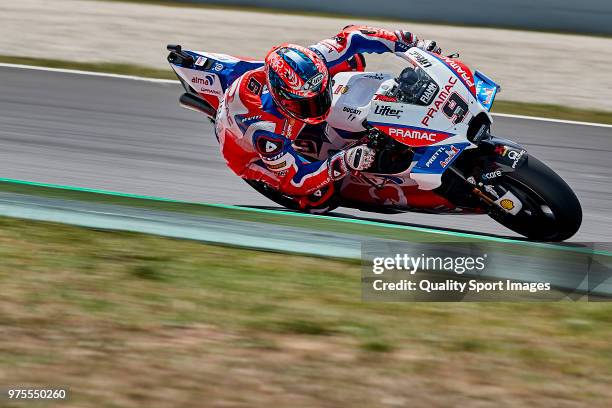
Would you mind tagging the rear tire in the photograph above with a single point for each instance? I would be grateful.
(551, 211)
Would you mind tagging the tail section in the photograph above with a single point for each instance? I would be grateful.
(205, 76)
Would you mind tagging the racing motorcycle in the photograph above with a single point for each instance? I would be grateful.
(431, 128)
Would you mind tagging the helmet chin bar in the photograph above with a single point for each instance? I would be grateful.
(310, 121)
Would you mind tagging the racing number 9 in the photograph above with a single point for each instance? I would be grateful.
(455, 108)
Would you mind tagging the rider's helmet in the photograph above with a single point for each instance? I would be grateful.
(299, 82)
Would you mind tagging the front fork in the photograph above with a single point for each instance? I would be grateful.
(472, 180)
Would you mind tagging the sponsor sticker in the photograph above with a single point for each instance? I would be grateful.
(313, 82)
(462, 72)
(354, 111)
(385, 98)
(510, 203)
(341, 90)
(491, 175)
(429, 93)
(507, 204)
(413, 136)
(420, 58)
(277, 166)
(512, 154)
(268, 146)
(433, 157)
(376, 76)
(208, 80)
(440, 101)
(450, 154)
(387, 110)
(208, 84)
(254, 86)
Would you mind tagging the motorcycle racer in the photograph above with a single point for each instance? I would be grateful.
(265, 109)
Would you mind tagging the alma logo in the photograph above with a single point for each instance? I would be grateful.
(208, 80)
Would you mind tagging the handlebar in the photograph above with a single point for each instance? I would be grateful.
(178, 56)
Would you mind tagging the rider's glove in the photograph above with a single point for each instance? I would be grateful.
(359, 157)
(429, 45)
(406, 37)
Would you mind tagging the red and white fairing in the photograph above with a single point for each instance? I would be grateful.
(442, 122)
(437, 123)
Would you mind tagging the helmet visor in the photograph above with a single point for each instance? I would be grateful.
(306, 108)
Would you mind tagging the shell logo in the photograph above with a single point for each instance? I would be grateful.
(507, 204)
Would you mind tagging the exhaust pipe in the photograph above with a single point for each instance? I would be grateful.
(197, 104)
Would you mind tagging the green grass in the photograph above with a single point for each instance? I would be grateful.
(501, 106)
(125, 319)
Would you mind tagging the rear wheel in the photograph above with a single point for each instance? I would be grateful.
(551, 211)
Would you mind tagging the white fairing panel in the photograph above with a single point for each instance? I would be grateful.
(353, 92)
(207, 83)
(430, 116)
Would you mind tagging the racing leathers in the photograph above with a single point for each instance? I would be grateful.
(256, 137)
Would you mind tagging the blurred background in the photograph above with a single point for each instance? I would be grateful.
(531, 66)
(126, 319)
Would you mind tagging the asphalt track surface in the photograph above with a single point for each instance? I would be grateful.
(131, 136)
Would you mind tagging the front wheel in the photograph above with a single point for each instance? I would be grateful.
(551, 211)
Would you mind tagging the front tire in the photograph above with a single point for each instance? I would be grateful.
(551, 211)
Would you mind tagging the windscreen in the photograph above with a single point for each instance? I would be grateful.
(415, 86)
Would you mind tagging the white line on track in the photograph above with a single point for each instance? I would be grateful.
(173, 81)
(568, 122)
(90, 73)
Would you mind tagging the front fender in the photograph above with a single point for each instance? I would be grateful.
(490, 159)
(502, 153)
